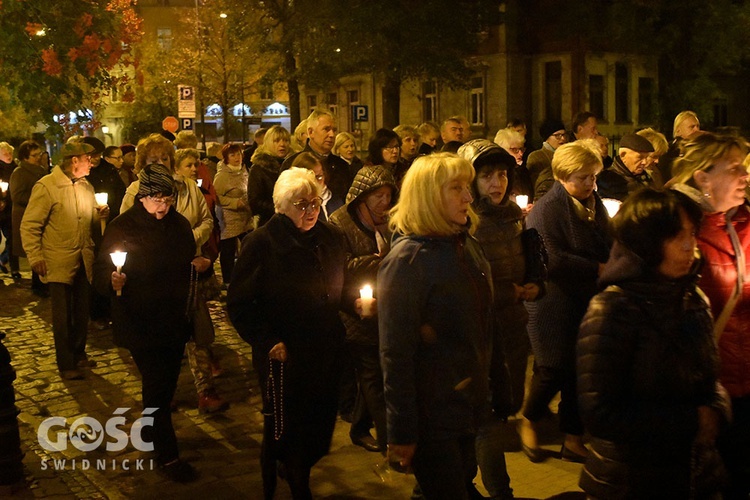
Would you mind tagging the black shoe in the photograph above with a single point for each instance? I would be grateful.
(535, 455)
(4, 269)
(72, 375)
(570, 456)
(367, 442)
(179, 471)
(16, 277)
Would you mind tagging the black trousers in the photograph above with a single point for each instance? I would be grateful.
(370, 403)
(228, 254)
(734, 446)
(70, 319)
(545, 384)
(446, 469)
(160, 369)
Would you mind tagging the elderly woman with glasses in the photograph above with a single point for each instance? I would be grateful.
(284, 300)
(150, 295)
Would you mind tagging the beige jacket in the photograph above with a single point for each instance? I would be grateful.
(57, 224)
(190, 203)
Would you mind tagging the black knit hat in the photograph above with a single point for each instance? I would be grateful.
(549, 127)
(155, 179)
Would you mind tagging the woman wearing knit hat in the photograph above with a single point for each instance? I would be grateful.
(152, 319)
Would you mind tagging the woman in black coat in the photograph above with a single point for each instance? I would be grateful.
(647, 361)
(572, 222)
(150, 316)
(284, 300)
(265, 169)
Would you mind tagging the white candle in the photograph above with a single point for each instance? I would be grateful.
(365, 293)
(522, 201)
(3, 186)
(118, 259)
(101, 199)
(200, 182)
(612, 206)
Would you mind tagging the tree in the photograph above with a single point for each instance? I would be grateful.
(56, 56)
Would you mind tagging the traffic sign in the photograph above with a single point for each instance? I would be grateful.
(170, 124)
(185, 101)
(359, 113)
(186, 123)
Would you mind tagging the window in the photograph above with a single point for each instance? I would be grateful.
(312, 102)
(596, 95)
(332, 99)
(646, 101)
(622, 114)
(553, 90)
(429, 101)
(164, 38)
(266, 91)
(721, 110)
(477, 100)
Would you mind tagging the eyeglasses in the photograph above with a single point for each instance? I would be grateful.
(559, 135)
(162, 200)
(515, 151)
(305, 205)
(392, 148)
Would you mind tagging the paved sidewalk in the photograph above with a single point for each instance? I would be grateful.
(223, 447)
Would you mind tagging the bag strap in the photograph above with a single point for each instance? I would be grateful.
(739, 252)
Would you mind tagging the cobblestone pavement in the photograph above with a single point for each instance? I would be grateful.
(223, 447)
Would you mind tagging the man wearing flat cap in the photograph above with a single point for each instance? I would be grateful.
(56, 233)
(628, 170)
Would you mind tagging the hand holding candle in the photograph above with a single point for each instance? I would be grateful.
(365, 294)
(200, 182)
(612, 206)
(118, 259)
(3, 186)
(101, 200)
(522, 201)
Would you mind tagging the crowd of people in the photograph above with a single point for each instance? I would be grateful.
(407, 291)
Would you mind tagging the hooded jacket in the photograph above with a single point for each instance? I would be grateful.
(363, 255)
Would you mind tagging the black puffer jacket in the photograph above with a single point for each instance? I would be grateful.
(646, 361)
(260, 181)
(363, 258)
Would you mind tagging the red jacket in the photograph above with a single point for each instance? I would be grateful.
(718, 281)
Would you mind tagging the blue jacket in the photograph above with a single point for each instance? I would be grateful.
(436, 329)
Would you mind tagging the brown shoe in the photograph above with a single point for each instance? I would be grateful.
(210, 402)
(72, 375)
(86, 363)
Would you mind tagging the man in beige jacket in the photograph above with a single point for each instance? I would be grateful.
(56, 234)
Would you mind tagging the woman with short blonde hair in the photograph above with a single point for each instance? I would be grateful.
(436, 324)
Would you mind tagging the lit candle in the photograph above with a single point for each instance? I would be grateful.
(118, 259)
(101, 200)
(200, 182)
(3, 186)
(365, 293)
(522, 201)
(612, 206)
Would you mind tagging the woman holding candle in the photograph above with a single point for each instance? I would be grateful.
(517, 260)
(364, 221)
(573, 224)
(437, 327)
(152, 316)
(284, 300)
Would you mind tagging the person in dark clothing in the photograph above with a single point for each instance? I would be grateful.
(429, 133)
(151, 301)
(437, 328)
(573, 223)
(365, 224)
(265, 169)
(7, 165)
(321, 130)
(647, 362)
(628, 170)
(284, 300)
(385, 149)
(346, 148)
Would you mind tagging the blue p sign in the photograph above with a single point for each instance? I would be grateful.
(359, 113)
